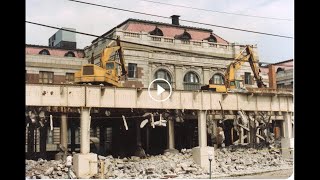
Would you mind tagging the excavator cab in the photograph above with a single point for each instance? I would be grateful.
(111, 68)
(231, 83)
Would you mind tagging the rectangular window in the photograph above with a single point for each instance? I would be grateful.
(45, 77)
(247, 78)
(69, 77)
(132, 70)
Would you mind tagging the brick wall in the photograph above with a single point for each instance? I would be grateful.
(32, 78)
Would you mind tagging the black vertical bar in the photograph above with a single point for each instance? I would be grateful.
(43, 141)
(30, 140)
(102, 139)
(73, 135)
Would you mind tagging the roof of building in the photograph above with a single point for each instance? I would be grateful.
(281, 62)
(169, 30)
(51, 47)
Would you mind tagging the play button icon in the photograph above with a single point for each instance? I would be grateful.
(162, 86)
(160, 90)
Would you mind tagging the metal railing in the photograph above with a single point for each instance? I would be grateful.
(191, 86)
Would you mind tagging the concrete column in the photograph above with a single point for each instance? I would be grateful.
(170, 137)
(178, 77)
(200, 154)
(206, 76)
(287, 126)
(202, 128)
(85, 131)
(287, 142)
(85, 164)
(215, 132)
(64, 131)
(63, 138)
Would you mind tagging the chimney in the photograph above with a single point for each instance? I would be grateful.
(175, 19)
(272, 77)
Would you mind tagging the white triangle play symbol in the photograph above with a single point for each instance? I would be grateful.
(159, 90)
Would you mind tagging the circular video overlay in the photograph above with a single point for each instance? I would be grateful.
(161, 85)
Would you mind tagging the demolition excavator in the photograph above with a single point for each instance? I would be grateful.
(109, 72)
(231, 83)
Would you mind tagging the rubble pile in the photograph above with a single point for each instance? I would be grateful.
(243, 159)
(228, 161)
(168, 165)
(43, 169)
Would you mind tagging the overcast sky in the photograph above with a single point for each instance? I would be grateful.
(98, 20)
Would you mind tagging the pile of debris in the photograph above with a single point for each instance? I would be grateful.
(228, 161)
(43, 169)
(168, 165)
(243, 159)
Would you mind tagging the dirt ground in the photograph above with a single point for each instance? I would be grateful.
(281, 174)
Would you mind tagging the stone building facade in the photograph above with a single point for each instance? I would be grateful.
(283, 73)
(185, 70)
(52, 65)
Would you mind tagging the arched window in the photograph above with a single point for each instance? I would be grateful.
(212, 38)
(44, 52)
(164, 74)
(184, 36)
(69, 54)
(156, 32)
(280, 69)
(191, 77)
(217, 79)
(191, 81)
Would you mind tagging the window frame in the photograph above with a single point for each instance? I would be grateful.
(44, 50)
(67, 79)
(221, 79)
(49, 74)
(187, 77)
(134, 70)
(247, 78)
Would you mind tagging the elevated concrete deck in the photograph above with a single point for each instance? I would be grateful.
(66, 95)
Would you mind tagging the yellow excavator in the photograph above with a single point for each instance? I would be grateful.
(230, 83)
(108, 73)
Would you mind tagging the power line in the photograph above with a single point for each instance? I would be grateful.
(222, 12)
(139, 44)
(195, 22)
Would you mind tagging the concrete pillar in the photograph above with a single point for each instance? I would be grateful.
(206, 76)
(215, 132)
(287, 141)
(63, 138)
(85, 164)
(178, 77)
(201, 153)
(287, 126)
(202, 128)
(170, 137)
(64, 131)
(85, 131)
